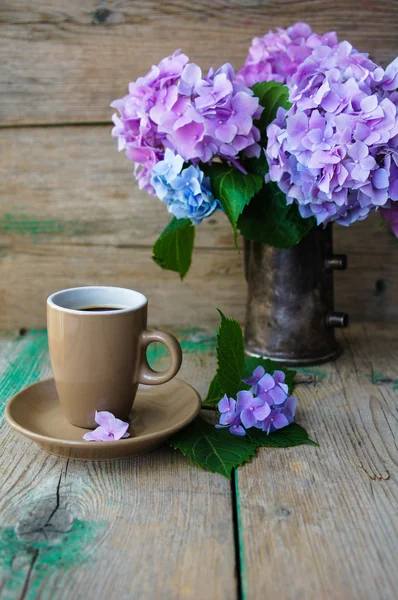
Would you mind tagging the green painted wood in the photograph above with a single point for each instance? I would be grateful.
(195, 341)
(239, 537)
(23, 360)
(150, 527)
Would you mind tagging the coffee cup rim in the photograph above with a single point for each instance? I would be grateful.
(140, 300)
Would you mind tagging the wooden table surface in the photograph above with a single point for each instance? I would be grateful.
(297, 523)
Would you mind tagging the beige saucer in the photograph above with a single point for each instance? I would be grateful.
(159, 411)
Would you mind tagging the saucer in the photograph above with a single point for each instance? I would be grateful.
(158, 412)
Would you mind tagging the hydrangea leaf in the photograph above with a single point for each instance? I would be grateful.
(251, 362)
(214, 394)
(213, 449)
(270, 220)
(219, 451)
(258, 166)
(230, 356)
(173, 249)
(234, 190)
(271, 95)
(292, 435)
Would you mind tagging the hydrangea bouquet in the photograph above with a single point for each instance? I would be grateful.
(305, 134)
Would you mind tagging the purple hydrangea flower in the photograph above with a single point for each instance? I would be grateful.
(334, 153)
(267, 406)
(227, 408)
(186, 192)
(198, 117)
(251, 409)
(229, 416)
(236, 427)
(272, 389)
(255, 378)
(277, 56)
(390, 80)
(110, 428)
(280, 416)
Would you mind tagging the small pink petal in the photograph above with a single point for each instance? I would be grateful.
(103, 417)
(110, 428)
(98, 435)
(119, 432)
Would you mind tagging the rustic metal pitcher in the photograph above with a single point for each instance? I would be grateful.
(290, 309)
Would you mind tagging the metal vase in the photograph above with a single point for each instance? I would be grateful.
(290, 309)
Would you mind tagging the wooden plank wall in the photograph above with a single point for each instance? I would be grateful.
(70, 212)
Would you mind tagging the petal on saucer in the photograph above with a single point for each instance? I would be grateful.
(103, 417)
(98, 435)
(118, 432)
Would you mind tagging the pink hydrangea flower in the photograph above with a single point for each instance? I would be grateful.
(110, 428)
(199, 117)
(277, 56)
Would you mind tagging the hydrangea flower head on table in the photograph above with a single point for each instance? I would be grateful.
(256, 405)
(267, 406)
(307, 115)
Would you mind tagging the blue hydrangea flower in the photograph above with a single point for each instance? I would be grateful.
(186, 192)
(165, 171)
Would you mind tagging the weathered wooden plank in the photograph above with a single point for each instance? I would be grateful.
(30, 272)
(322, 523)
(149, 527)
(65, 62)
(70, 185)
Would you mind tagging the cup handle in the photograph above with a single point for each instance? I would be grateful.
(146, 374)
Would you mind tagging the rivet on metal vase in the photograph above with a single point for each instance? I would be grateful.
(290, 309)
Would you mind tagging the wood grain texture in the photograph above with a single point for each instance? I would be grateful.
(71, 214)
(143, 528)
(30, 272)
(65, 62)
(327, 517)
(70, 185)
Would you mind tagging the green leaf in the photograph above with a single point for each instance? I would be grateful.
(219, 451)
(234, 189)
(270, 366)
(271, 95)
(258, 166)
(214, 449)
(270, 220)
(215, 392)
(292, 435)
(173, 248)
(230, 356)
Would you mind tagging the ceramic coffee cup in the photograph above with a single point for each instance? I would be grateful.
(98, 339)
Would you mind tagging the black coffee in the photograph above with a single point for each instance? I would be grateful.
(99, 308)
